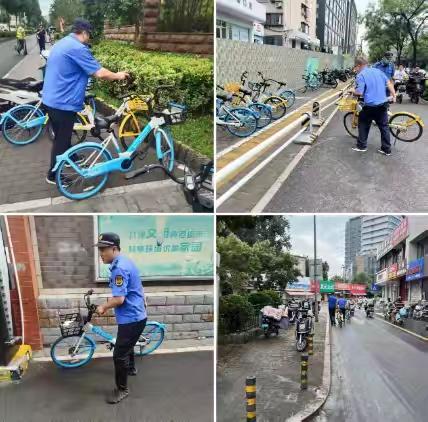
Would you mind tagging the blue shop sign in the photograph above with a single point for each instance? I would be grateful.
(415, 269)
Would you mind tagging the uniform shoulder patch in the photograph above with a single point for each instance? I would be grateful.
(118, 280)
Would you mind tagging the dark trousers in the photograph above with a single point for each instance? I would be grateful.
(62, 124)
(42, 45)
(332, 312)
(380, 115)
(123, 355)
(343, 312)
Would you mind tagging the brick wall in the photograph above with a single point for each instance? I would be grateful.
(280, 63)
(21, 242)
(187, 315)
(202, 44)
(66, 251)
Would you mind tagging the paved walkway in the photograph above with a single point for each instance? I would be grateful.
(174, 387)
(23, 171)
(276, 365)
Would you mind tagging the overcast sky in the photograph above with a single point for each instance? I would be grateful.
(44, 6)
(330, 239)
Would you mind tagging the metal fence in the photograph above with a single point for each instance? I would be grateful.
(238, 324)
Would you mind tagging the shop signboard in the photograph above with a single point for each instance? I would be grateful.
(382, 276)
(415, 269)
(392, 271)
(358, 289)
(302, 283)
(327, 286)
(397, 236)
(342, 286)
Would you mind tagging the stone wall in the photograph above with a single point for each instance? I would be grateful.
(187, 315)
(195, 43)
(280, 63)
(124, 33)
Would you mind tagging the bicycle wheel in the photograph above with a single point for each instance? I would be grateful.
(165, 149)
(74, 186)
(129, 129)
(404, 127)
(247, 120)
(62, 351)
(350, 121)
(150, 339)
(16, 134)
(278, 107)
(265, 115)
(290, 96)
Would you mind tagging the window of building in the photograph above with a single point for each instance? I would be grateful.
(273, 40)
(239, 33)
(420, 250)
(293, 43)
(221, 29)
(304, 27)
(273, 19)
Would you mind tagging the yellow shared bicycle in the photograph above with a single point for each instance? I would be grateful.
(404, 126)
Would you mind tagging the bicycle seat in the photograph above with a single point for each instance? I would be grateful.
(106, 122)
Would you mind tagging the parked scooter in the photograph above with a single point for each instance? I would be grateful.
(293, 308)
(270, 326)
(303, 326)
(399, 316)
(418, 312)
(414, 87)
(370, 311)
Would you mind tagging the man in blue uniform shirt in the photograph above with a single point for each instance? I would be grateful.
(371, 85)
(385, 65)
(69, 66)
(129, 307)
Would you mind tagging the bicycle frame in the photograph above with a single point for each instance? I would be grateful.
(116, 163)
(220, 120)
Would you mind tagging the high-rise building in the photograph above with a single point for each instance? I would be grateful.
(301, 264)
(315, 273)
(352, 244)
(336, 26)
(291, 23)
(375, 229)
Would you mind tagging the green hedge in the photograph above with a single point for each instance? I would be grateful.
(234, 313)
(264, 298)
(192, 76)
(7, 34)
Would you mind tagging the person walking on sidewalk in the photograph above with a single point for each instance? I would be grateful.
(332, 302)
(69, 66)
(130, 310)
(41, 38)
(371, 85)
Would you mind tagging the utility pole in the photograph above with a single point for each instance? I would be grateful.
(315, 268)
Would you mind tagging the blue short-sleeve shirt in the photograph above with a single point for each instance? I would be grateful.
(125, 281)
(371, 84)
(332, 300)
(69, 66)
(341, 303)
(388, 69)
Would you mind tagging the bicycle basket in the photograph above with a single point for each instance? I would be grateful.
(174, 114)
(347, 104)
(137, 104)
(232, 87)
(70, 324)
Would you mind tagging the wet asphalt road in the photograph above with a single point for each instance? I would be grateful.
(9, 57)
(379, 373)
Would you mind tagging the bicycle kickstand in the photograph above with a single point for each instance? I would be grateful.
(143, 170)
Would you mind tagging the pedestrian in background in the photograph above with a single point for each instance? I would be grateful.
(332, 302)
(371, 85)
(41, 38)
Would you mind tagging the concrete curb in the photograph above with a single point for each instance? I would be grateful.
(324, 390)
(156, 352)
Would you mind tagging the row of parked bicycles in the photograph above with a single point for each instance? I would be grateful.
(246, 106)
(83, 170)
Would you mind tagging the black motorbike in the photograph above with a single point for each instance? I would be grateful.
(415, 87)
(400, 89)
(370, 311)
(270, 326)
(304, 327)
(327, 78)
(293, 308)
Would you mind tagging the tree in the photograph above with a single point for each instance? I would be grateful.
(69, 10)
(126, 12)
(338, 279)
(252, 229)
(325, 268)
(362, 278)
(414, 13)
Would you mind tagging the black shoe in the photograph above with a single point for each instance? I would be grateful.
(50, 178)
(132, 372)
(358, 149)
(117, 395)
(381, 151)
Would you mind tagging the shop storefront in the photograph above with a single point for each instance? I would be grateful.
(393, 283)
(381, 279)
(414, 277)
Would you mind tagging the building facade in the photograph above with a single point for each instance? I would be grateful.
(375, 229)
(402, 261)
(336, 26)
(352, 244)
(302, 264)
(291, 23)
(48, 263)
(240, 20)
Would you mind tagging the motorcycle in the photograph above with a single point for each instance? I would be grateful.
(415, 88)
(293, 308)
(270, 326)
(352, 310)
(387, 313)
(370, 311)
(400, 89)
(303, 328)
(399, 316)
(418, 312)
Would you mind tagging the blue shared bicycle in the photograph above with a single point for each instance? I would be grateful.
(76, 347)
(83, 170)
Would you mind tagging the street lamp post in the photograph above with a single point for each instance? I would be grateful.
(315, 268)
